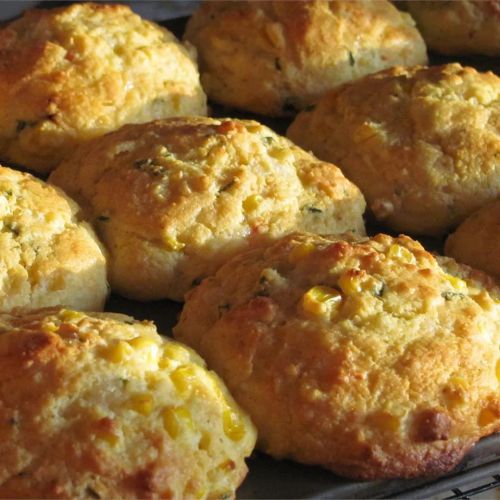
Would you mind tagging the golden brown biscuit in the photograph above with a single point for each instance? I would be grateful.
(459, 27)
(277, 57)
(368, 357)
(77, 72)
(100, 406)
(476, 242)
(173, 199)
(48, 255)
(421, 143)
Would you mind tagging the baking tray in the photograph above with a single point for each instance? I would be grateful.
(269, 478)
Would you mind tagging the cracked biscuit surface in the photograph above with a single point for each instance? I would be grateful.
(459, 27)
(100, 406)
(370, 357)
(422, 143)
(476, 242)
(274, 58)
(174, 199)
(48, 255)
(77, 72)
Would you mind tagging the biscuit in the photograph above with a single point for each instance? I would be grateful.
(274, 58)
(100, 406)
(459, 27)
(421, 143)
(173, 199)
(369, 357)
(48, 255)
(476, 242)
(77, 72)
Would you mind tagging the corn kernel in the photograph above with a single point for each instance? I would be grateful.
(228, 465)
(108, 437)
(142, 403)
(148, 347)
(119, 352)
(350, 284)
(70, 315)
(173, 353)
(487, 417)
(300, 251)
(183, 378)
(457, 283)
(175, 419)
(401, 253)
(205, 441)
(49, 327)
(321, 300)
(233, 427)
(280, 154)
(172, 244)
(385, 422)
(252, 202)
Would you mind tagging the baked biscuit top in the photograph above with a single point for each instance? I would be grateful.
(370, 357)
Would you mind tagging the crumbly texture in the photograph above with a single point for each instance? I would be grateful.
(369, 357)
(459, 27)
(476, 242)
(101, 406)
(423, 144)
(174, 199)
(48, 254)
(77, 72)
(274, 58)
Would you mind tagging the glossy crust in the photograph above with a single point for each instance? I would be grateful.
(476, 242)
(274, 58)
(421, 143)
(174, 199)
(48, 254)
(101, 406)
(77, 72)
(459, 27)
(368, 357)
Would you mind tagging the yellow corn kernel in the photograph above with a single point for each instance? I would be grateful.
(280, 154)
(119, 352)
(252, 202)
(350, 284)
(321, 300)
(205, 441)
(183, 378)
(175, 419)
(172, 244)
(487, 417)
(498, 370)
(108, 437)
(401, 253)
(173, 353)
(385, 422)
(300, 252)
(70, 315)
(457, 283)
(49, 327)
(142, 403)
(142, 342)
(233, 426)
(228, 465)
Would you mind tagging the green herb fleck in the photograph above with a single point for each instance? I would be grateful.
(103, 218)
(197, 281)
(310, 108)
(148, 165)
(352, 61)
(313, 210)
(129, 322)
(277, 64)
(452, 295)
(288, 106)
(379, 290)
(268, 140)
(223, 308)
(13, 228)
(227, 186)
